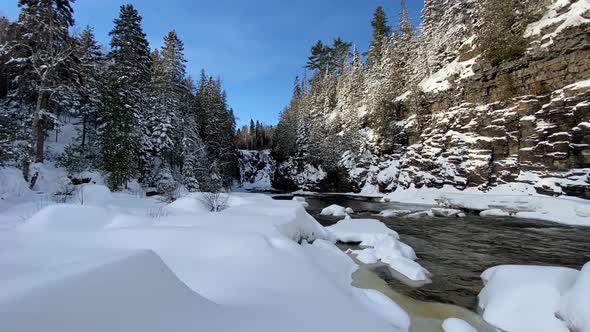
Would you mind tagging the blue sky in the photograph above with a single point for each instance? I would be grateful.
(256, 47)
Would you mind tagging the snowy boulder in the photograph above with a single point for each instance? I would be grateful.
(446, 213)
(394, 213)
(525, 298)
(437, 212)
(382, 244)
(494, 213)
(574, 308)
(360, 230)
(336, 211)
(457, 325)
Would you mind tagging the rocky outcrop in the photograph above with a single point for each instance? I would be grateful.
(256, 170)
(479, 125)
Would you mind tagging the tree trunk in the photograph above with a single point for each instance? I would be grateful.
(39, 128)
(84, 131)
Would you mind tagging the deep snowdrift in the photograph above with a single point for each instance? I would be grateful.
(124, 263)
(536, 298)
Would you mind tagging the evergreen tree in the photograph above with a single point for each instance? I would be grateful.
(123, 111)
(116, 135)
(381, 31)
(218, 133)
(501, 37)
(92, 64)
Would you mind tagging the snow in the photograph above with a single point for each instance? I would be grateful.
(440, 81)
(382, 244)
(336, 211)
(457, 325)
(518, 200)
(558, 16)
(12, 183)
(494, 213)
(574, 307)
(525, 298)
(256, 170)
(120, 262)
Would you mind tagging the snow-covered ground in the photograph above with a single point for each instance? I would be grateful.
(121, 262)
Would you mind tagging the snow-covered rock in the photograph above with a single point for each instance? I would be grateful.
(337, 211)
(382, 244)
(574, 307)
(525, 298)
(446, 213)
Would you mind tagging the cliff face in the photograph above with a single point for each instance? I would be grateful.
(480, 125)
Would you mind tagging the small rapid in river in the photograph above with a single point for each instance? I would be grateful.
(457, 250)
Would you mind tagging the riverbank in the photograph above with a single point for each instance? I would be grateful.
(120, 262)
(515, 200)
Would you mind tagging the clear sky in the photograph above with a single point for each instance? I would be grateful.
(256, 47)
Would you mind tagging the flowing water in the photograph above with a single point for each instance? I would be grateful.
(457, 250)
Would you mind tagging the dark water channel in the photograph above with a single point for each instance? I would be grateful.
(457, 250)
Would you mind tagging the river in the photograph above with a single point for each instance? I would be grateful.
(457, 250)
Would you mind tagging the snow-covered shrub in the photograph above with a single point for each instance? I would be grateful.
(214, 201)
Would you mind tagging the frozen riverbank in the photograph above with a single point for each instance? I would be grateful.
(119, 262)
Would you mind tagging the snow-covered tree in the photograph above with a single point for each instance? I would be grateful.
(122, 114)
(381, 31)
(42, 58)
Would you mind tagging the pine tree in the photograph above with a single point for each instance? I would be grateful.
(193, 152)
(123, 111)
(218, 133)
(116, 135)
(92, 64)
(381, 31)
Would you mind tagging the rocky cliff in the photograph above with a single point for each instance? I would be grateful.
(474, 124)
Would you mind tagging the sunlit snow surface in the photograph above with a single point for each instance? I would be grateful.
(536, 298)
(126, 263)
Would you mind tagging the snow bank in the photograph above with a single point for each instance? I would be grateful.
(126, 292)
(72, 218)
(12, 183)
(382, 244)
(135, 264)
(457, 325)
(574, 307)
(336, 211)
(515, 199)
(301, 200)
(525, 298)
